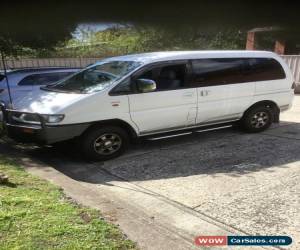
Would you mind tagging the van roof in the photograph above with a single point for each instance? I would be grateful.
(177, 55)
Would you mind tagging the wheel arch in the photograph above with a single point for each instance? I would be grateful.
(114, 122)
(267, 103)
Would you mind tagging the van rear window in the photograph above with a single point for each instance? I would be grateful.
(43, 79)
(263, 69)
(220, 71)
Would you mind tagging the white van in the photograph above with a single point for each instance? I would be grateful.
(152, 95)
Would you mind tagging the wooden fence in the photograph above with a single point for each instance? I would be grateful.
(294, 63)
(292, 60)
(49, 62)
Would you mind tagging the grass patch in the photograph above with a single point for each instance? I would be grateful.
(34, 214)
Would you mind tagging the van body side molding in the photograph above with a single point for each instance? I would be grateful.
(207, 124)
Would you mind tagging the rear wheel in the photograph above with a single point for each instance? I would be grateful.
(257, 119)
(104, 143)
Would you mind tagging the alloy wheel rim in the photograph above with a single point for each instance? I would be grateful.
(107, 144)
(259, 119)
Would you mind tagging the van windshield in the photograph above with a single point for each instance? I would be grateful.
(95, 78)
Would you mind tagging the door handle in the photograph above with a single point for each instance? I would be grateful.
(205, 92)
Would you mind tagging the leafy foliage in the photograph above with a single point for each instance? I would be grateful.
(128, 39)
(207, 24)
(136, 39)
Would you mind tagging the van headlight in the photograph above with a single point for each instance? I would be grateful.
(35, 119)
(26, 118)
(53, 118)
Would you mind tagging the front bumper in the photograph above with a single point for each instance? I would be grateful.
(39, 133)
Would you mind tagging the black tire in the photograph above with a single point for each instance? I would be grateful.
(94, 143)
(257, 119)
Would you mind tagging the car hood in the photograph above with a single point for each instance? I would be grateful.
(45, 102)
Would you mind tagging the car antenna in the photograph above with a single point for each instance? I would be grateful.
(7, 82)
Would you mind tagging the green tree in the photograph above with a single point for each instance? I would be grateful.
(126, 39)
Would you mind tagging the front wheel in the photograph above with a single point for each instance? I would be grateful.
(257, 119)
(104, 143)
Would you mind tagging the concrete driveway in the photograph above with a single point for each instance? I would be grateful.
(164, 193)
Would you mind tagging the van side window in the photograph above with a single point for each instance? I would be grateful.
(221, 71)
(217, 71)
(263, 69)
(168, 77)
(123, 88)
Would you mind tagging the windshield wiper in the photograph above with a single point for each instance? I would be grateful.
(62, 90)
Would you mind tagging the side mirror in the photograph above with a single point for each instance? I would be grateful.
(2, 77)
(146, 85)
